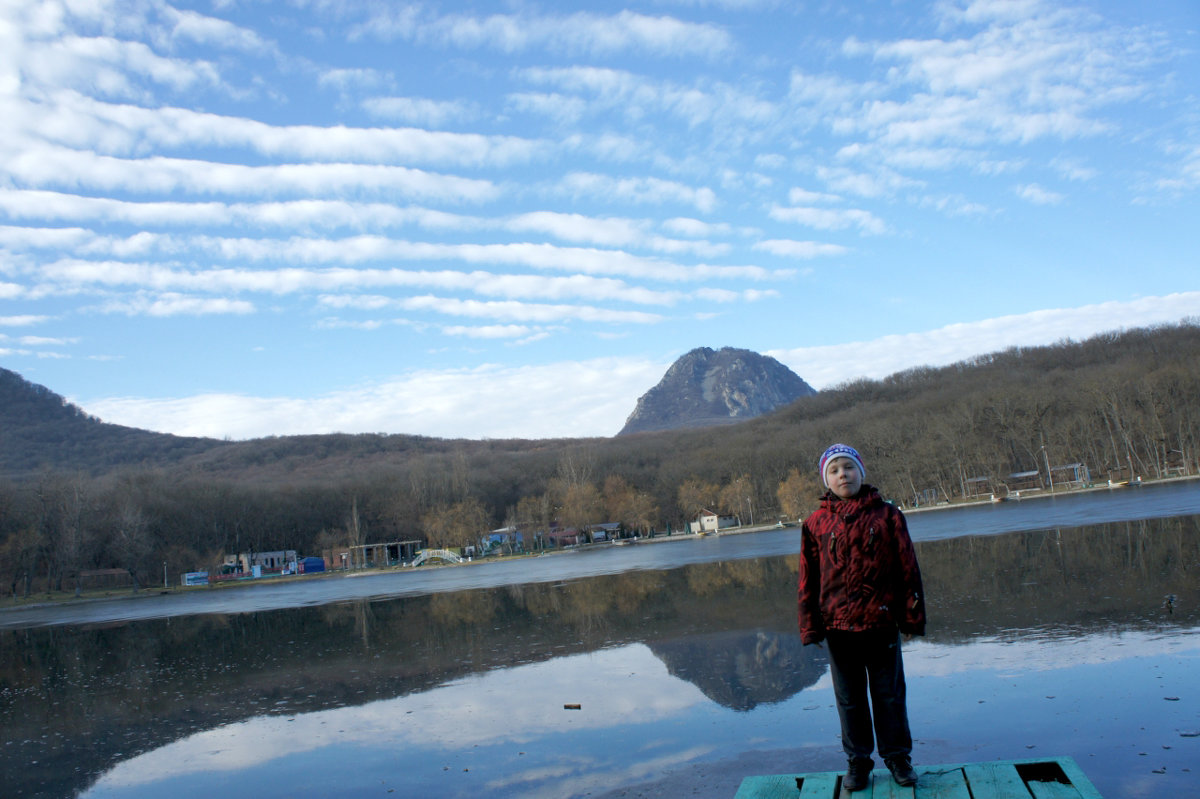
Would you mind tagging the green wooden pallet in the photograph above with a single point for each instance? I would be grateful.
(1046, 778)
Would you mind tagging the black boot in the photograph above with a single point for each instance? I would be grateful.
(902, 770)
(858, 775)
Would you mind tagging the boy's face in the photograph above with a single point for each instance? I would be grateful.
(843, 477)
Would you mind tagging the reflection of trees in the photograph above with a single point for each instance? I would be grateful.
(742, 670)
(79, 699)
(463, 608)
(1094, 576)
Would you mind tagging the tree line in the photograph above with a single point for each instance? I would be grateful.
(1125, 404)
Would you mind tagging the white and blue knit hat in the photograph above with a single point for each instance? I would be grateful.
(841, 451)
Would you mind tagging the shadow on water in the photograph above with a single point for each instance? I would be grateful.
(674, 667)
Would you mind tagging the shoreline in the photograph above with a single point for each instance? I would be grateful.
(69, 598)
(1040, 493)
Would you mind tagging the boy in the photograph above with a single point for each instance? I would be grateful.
(860, 589)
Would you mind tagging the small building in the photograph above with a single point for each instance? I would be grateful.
(279, 561)
(86, 579)
(977, 487)
(391, 553)
(709, 522)
(337, 558)
(505, 539)
(925, 497)
(1120, 474)
(607, 531)
(1025, 481)
(311, 565)
(1070, 475)
(562, 537)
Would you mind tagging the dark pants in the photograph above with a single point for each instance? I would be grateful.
(870, 663)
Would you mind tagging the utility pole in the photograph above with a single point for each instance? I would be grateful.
(1049, 474)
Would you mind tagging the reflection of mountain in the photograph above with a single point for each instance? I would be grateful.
(743, 669)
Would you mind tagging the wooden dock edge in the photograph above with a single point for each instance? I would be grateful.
(1040, 778)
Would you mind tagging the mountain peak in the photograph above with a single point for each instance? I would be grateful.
(708, 387)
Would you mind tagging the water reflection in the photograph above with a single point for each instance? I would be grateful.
(742, 670)
(463, 693)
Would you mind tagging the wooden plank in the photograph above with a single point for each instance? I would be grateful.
(998, 780)
(1078, 778)
(884, 787)
(942, 782)
(772, 786)
(819, 786)
(822, 785)
(1052, 790)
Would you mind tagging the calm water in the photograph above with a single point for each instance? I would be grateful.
(1049, 635)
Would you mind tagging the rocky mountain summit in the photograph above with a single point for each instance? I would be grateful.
(709, 387)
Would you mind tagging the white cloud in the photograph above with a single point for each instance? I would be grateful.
(69, 277)
(611, 231)
(882, 182)
(798, 196)
(418, 110)
(112, 67)
(22, 320)
(348, 81)
(799, 249)
(827, 366)
(1072, 169)
(830, 218)
(640, 190)
(1032, 192)
(1010, 73)
(489, 401)
(526, 312)
(216, 32)
(562, 109)
(602, 92)
(57, 167)
(608, 232)
(579, 34)
(697, 228)
(44, 341)
(172, 304)
(78, 121)
(490, 331)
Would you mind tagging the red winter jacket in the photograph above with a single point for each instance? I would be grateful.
(858, 569)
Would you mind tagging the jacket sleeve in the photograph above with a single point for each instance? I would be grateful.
(812, 627)
(912, 619)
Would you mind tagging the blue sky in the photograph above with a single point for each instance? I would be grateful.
(490, 220)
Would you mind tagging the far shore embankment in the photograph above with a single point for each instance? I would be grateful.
(69, 598)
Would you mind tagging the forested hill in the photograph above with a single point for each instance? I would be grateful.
(1122, 405)
(1102, 401)
(40, 430)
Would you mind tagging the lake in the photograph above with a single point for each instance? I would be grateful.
(661, 669)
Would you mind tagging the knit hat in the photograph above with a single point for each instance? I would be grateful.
(841, 451)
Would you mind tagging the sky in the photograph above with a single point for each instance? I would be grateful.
(506, 220)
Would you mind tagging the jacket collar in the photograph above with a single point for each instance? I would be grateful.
(868, 496)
